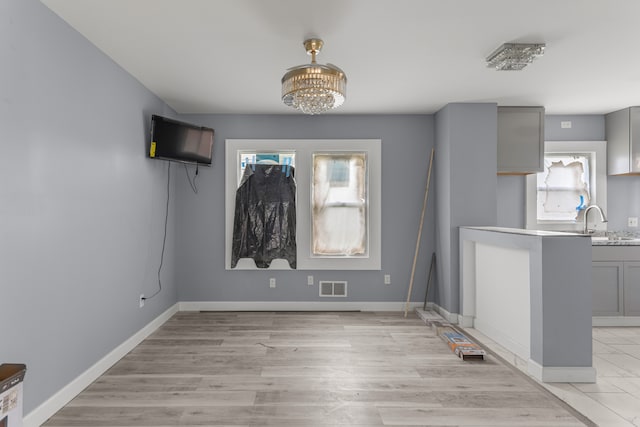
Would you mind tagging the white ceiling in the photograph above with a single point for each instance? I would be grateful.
(400, 56)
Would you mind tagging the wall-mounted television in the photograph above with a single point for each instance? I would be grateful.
(180, 141)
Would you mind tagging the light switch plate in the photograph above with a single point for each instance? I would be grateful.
(632, 221)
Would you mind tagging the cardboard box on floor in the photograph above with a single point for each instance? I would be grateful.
(460, 345)
(11, 377)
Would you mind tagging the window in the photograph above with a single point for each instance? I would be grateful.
(574, 177)
(245, 158)
(264, 223)
(338, 199)
(563, 188)
(339, 204)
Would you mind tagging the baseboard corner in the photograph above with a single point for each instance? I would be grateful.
(48, 408)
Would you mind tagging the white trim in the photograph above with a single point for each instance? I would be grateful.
(304, 149)
(431, 306)
(615, 321)
(295, 306)
(56, 402)
(598, 186)
(562, 374)
(466, 321)
(449, 317)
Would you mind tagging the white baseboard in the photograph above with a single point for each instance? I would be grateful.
(615, 321)
(548, 374)
(449, 317)
(56, 402)
(466, 321)
(295, 306)
(562, 374)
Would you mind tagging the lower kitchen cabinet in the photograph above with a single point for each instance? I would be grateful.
(616, 280)
(608, 287)
(631, 288)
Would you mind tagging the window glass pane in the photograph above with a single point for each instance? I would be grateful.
(339, 204)
(339, 172)
(563, 189)
(247, 158)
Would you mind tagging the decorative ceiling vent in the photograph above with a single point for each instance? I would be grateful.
(333, 288)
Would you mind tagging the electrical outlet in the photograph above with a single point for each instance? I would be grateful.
(310, 280)
(565, 125)
(632, 221)
(141, 300)
(272, 282)
(387, 279)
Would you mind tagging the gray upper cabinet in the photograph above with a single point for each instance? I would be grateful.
(623, 141)
(520, 140)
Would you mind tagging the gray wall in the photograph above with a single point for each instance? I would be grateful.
(623, 192)
(466, 186)
(81, 208)
(406, 144)
(442, 292)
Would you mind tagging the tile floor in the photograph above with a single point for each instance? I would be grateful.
(614, 400)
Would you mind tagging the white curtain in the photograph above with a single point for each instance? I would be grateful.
(339, 204)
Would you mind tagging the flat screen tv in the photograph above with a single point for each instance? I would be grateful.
(180, 141)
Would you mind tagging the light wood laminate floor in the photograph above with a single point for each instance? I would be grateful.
(308, 369)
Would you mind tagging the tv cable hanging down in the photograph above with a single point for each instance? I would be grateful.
(164, 238)
(181, 142)
(192, 184)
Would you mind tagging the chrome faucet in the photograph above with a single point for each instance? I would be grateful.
(586, 212)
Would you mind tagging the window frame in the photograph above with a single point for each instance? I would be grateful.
(304, 149)
(598, 166)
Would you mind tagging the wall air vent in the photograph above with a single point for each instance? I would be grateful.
(333, 289)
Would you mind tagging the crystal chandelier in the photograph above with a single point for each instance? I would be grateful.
(514, 56)
(314, 88)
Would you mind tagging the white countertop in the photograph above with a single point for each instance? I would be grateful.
(597, 240)
(605, 241)
(539, 233)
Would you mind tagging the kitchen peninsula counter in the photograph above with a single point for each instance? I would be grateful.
(531, 292)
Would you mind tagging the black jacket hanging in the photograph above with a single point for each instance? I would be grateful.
(264, 226)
